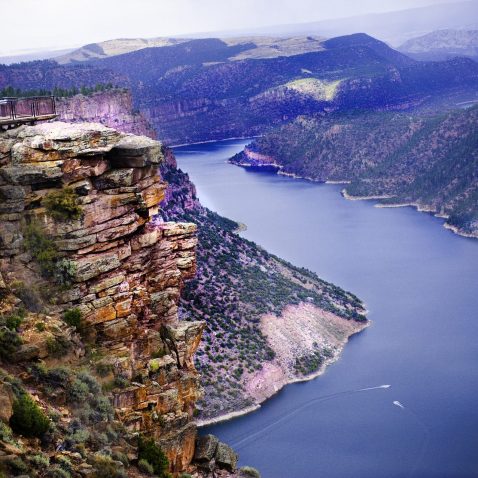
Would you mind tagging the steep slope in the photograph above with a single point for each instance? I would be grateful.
(442, 45)
(428, 160)
(250, 300)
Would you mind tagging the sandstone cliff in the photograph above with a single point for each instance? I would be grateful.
(113, 108)
(90, 278)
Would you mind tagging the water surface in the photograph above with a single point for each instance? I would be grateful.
(420, 284)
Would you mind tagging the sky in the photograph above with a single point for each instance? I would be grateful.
(32, 25)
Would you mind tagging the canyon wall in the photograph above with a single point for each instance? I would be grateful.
(113, 108)
(122, 269)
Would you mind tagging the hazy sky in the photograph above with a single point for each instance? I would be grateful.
(54, 24)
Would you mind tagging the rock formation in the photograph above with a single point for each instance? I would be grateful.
(123, 268)
(113, 108)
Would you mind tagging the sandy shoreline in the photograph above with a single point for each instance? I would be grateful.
(289, 381)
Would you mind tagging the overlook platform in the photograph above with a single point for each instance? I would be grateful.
(17, 111)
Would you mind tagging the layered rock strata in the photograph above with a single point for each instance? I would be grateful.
(126, 269)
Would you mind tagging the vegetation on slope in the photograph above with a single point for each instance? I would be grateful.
(237, 282)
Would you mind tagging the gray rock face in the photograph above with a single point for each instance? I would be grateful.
(226, 457)
(205, 448)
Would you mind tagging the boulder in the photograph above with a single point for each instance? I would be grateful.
(136, 152)
(206, 447)
(225, 457)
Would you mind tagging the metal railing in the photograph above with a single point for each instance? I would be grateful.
(27, 109)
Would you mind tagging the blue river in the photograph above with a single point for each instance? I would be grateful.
(420, 284)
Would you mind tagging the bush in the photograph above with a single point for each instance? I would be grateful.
(62, 205)
(13, 321)
(43, 249)
(28, 419)
(145, 467)
(9, 343)
(58, 346)
(6, 434)
(73, 318)
(57, 472)
(152, 453)
(39, 461)
(249, 472)
(64, 463)
(105, 467)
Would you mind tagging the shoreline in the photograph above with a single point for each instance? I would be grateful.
(349, 197)
(245, 411)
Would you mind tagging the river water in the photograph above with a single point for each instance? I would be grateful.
(420, 284)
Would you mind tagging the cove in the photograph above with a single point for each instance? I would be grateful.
(420, 284)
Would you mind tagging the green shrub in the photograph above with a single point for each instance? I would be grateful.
(64, 463)
(43, 249)
(58, 346)
(28, 419)
(249, 472)
(119, 456)
(103, 369)
(105, 467)
(146, 467)
(10, 342)
(40, 326)
(6, 434)
(39, 461)
(13, 321)
(152, 453)
(73, 318)
(18, 466)
(62, 205)
(57, 472)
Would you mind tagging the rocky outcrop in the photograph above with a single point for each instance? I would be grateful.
(124, 268)
(113, 108)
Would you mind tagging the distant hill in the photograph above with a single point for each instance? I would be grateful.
(393, 27)
(257, 47)
(114, 47)
(442, 45)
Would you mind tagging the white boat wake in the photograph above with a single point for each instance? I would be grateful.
(254, 436)
(398, 404)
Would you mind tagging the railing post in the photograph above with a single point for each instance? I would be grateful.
(12, 108)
